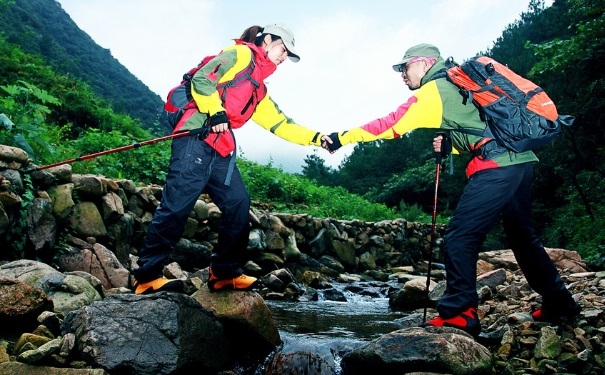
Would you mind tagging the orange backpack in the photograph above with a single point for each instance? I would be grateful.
(519, 114)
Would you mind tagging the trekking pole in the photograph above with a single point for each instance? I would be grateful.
(119, 149)
(445, 150)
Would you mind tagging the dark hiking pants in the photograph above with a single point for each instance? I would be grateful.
(195, 168)
(490, 194)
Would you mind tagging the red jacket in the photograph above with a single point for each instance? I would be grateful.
(221, 86)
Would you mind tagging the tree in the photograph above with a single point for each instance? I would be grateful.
(373, 164)
(572, 67)
(315, 169)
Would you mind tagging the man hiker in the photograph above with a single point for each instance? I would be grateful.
(498, 187)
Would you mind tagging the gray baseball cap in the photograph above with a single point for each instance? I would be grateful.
(286, 36)
(419, 50)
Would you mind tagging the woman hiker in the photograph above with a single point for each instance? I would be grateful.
(228, 90)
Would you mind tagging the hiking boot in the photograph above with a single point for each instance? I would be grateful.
(160, 284)
(241, 282)
(467, 321)
(554, 313)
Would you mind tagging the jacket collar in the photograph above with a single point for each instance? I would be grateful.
(439, 66)
(261, 59)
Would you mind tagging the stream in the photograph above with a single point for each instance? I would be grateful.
(330, 328)
(355, 319)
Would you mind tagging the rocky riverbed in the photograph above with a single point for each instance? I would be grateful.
(511, 342)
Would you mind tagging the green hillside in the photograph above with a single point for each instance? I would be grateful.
(42, 27)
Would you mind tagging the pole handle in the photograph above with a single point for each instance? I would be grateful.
(446, 147)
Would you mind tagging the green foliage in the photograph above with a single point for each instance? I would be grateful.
(373, 164)
(574, 226)
(26, 106)
(60, 118)
(415, 184)
(585, 44)
(571, 67)
(6, 3)
(42, 27)
(294, 193)
(416, 213)
(314, 168)
(147, 164)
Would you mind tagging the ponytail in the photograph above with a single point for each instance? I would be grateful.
(252, 35)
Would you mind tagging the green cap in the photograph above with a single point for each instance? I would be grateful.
(420, 50)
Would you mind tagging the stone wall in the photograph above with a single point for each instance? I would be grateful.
(53, 210)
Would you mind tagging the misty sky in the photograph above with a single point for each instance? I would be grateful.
(344, 78)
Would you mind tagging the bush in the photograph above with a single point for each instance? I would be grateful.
(296, 194)
(576, 225)
(147, 164)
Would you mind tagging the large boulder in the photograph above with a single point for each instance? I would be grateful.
(246, 318)
(563, 259)
(161, 333)
(68, 292)
(441, 349)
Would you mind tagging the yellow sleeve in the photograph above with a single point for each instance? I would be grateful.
(269, 116)
(422, 110)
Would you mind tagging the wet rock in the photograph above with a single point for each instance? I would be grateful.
(86, 220)
(51, 321)
(331, 263)
(548, 345)
(36, 355)
(90, 185)
(412, 295)
(296, 357)
(149, 335)
(62, 198)
(345, 253)
(42, 229)
(20, 305)
(13, 154)
(96, 260)
(246, 318)
(443, 350)
(334, 295)
(16, 368)
(29, 341)
(68, 292)
(315, 280)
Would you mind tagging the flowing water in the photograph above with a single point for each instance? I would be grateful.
(331, 327)
(359, 319)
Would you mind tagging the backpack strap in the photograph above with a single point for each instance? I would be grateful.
(231, 161)
(245, 74)
(477, 149)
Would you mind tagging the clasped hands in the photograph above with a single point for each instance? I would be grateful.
(331, 142)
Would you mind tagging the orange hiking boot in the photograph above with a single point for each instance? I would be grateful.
(160, 284)
(241, 282)
(555, 313)
(467, 321)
